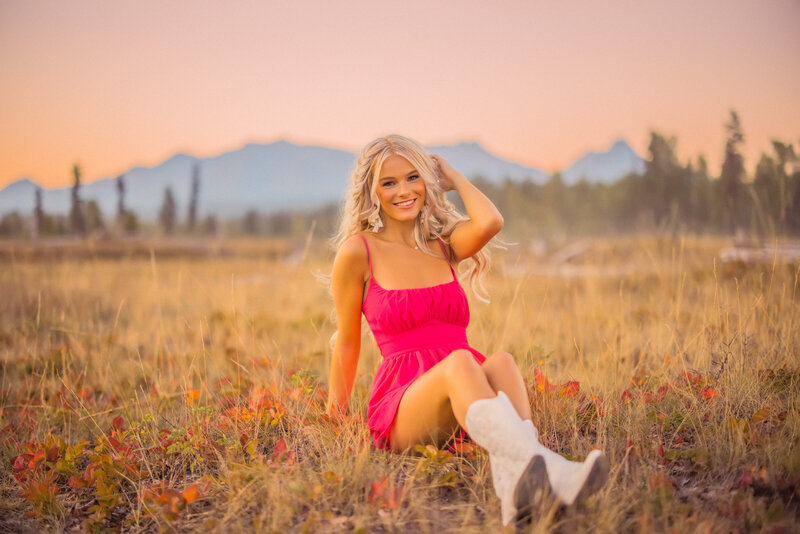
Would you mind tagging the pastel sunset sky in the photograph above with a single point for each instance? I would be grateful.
(113, 84)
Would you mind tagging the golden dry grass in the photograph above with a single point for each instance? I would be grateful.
(185, 391)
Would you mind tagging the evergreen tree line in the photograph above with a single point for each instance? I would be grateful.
(168, 214)
(667, 197)
(86, 218)
(83, 217)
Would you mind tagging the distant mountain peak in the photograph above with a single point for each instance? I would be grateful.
(21, 183)
(280, 144)
(252, 146)
(180, 156)
(620, 143)
(620, 159)
(460, 144)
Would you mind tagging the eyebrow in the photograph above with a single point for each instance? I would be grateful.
(392, 177)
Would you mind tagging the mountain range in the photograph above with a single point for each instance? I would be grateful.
(285, 176)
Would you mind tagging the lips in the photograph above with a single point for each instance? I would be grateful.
(406, 203)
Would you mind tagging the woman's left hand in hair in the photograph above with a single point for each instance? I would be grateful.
(447, 176)
(484, 219)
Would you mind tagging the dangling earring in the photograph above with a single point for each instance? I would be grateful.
(375, 222)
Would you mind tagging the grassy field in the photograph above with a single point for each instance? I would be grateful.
(166, 387)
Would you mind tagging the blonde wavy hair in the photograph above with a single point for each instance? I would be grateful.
(437, 219)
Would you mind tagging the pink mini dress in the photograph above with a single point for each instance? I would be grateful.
(415, 329)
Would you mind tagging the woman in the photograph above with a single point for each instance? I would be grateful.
(398, 243)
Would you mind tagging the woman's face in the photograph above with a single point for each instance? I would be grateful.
(401, 190)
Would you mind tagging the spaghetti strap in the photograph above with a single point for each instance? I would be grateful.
(446, 256)
(369, 259)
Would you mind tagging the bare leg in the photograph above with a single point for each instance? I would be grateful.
(503, 374)
(437, 401)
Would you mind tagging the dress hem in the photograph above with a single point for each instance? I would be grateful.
(384, 435)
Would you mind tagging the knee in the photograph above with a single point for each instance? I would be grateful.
(502, 361)
(461, 361)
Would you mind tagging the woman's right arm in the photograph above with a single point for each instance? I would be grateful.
(347, 285)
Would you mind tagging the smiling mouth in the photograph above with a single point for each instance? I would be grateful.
(405, 203)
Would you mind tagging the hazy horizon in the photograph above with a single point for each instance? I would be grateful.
(539, 84)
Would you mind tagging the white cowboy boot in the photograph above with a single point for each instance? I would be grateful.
(570, 481)
(518, 472)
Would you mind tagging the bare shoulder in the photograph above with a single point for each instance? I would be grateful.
(351, 259)
(352, 249)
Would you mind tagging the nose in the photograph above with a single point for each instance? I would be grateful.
(404, 187)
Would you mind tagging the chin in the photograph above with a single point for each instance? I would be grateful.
(405, 216)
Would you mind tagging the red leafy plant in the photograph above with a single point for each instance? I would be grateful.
(385, 495)
(39, 469)
(114, 464)
(281, 454)
(160, 500)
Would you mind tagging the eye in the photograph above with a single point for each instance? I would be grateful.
(387, 183)
(413, 177)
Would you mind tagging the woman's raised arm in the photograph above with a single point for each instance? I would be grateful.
(347, 285)
(485, 221)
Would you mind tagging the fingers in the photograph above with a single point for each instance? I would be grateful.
(438, 161)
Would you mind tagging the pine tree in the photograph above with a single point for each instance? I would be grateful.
(664, 180)
(785, 154)
(120, 198)
(700, 196)
(767, 189)
(77, 223)
(732, 177)
(192, 218)
(38, 215)
(168, 212)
